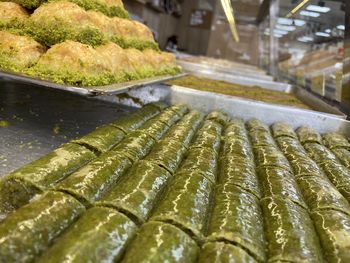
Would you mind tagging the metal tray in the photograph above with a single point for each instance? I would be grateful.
(87, 91)
(306, 97)
(205, 68)
(236, 107)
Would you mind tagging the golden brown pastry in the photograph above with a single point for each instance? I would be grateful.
(18, 51)
(116, 57)
(74, 56)
(11, 11)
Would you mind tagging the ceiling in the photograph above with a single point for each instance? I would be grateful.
(323, 23)
(248, 11)
(333, 17)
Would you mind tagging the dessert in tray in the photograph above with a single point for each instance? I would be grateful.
(184, 187)
(238, 90)
(79, 42)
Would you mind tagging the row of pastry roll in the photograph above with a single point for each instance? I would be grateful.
(58, 21)
(20, 186)
(289, 229)
(137, 198)
(71, 194)
(139, 188)
(183, 189)
(340, 147)
(329, 209)
(236, 225)
(79, 64)
(178, 224)
(332, 161)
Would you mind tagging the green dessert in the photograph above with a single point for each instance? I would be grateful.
(55, 166)
(345, 191)
(256, 125)
(237, 161)
(18, 53)
(337, 173)
(270, 156)
(155, 129)
(261, 138)
(21, 185)
(186, 128)
(280, 183)
(180, 109)
(212, 127)
(319, 153)
(113, 8)
(41, 25)
(193, 119)
(29, 3)
(233, 222)
(308, 135)
(333, 228)
(100, 235)
(237, 147)
(173, 114)
(29, 231)
(343, 156)
(208, 136)
(235, 158)
(186, 204)
(87, 65)
(306, 167)
(320, 194)
(156, 104)
(289, 232)
(134, 42)
(50, 26)
(136, 145)
(291, 147)
(236, 129)
(160, 242)
(138, 191)
(168, 154)
(169, 117)
(92, 181)
(151, 110)
(181, 133)
(206, 140)
(242, 91)
(203, 161)
(282, 129)
(220, 252)
(12, 13)
(301, 163)
(241, 175)
(218, 116)
(136, 119)
(15, 193)
(102, 139)
(335, 140)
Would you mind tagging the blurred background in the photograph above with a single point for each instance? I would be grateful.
(305, 42)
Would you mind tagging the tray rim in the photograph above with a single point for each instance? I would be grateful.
(91, 91)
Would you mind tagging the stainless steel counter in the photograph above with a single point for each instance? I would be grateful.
(42, 119)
